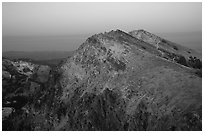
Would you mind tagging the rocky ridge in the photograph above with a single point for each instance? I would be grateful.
(169, 50)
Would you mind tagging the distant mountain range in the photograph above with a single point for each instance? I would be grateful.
(37, 55)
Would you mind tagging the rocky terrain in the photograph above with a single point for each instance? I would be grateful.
(170, 50)
(21, 82)
(113, 81)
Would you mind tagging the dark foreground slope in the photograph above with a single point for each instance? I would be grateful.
(114, 81)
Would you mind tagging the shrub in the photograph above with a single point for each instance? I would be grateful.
(143, 47)
(199, 73)
(117, 64)
(181, 60)
(164, 41)
(194, 62)
(175, 47)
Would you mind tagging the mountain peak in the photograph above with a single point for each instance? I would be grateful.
(146, 36)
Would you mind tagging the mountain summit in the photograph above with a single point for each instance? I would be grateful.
(147, 37)
(119, 81)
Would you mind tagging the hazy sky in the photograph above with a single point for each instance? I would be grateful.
(71, 19)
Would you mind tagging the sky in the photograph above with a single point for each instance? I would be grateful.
(24, 24)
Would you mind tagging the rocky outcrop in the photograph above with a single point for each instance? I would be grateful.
(6, 111)
(6, 75)
(21, 83)
(147, 37)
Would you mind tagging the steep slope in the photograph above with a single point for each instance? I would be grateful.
(117, 82)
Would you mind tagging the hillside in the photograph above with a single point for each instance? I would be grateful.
(113, 81)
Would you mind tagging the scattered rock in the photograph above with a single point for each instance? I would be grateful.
(6, 111)
(6, 75)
